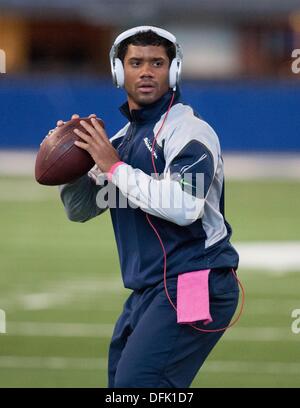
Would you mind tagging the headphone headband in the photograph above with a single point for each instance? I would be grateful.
(132, 31)
(117, 66)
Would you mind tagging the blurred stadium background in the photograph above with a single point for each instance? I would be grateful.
(60, 282)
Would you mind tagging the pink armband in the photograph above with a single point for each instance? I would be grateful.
(112, 169)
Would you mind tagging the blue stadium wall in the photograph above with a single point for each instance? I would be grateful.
(247, 116)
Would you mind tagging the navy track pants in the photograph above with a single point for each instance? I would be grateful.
(149, 349)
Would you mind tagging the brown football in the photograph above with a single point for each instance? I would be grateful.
(59, 160)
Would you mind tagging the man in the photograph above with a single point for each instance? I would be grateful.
(177, 259)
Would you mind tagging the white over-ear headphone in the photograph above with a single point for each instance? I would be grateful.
(117, 68)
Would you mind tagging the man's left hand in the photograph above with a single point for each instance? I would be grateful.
(97, 144)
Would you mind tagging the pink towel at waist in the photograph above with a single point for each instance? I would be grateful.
(193, 297)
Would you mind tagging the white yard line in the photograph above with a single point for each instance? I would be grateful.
(262, 334)
(247, 165)
(239, 166)
(67, 292)
(87, 330)
(63, 363)
(265, 306)
(105, 330)
(278, 257)
(54, 363)
(242, 367)
(61, 293)
(17, 162)
(265, 258)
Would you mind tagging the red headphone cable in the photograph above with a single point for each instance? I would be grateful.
(164, 250)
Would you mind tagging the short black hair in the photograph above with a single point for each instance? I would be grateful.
(145, 38)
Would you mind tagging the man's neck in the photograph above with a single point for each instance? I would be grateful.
(133, 105)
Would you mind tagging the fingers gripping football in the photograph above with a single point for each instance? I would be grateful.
(74, 116)
(96, 143)
(60, 123)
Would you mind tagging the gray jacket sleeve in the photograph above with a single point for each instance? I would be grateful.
(80, 199)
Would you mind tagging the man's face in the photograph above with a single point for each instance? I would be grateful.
(146, 74)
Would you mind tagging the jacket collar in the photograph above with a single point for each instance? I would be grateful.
(152, 111)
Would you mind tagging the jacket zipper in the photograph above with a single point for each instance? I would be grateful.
(127, 143)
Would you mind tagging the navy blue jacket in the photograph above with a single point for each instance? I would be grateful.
(185, 200)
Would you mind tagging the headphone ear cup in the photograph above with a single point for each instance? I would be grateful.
(119, 73)
(173, 74)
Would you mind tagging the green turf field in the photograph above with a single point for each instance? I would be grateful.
(61, 290)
